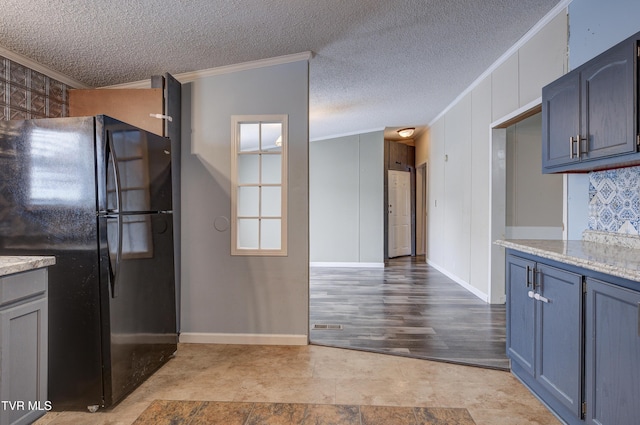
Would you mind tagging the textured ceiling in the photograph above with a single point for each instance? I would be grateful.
(377, 63)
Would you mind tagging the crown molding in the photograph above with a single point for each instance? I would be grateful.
(188, 77)
(29, 63)
(351, 133)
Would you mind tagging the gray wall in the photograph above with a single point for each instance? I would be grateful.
(224, 294)
(346, 199)
(595, 26)
(534, 200)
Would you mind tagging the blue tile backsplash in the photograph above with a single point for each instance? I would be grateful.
(614, 201)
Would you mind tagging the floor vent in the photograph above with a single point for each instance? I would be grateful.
(324, 327)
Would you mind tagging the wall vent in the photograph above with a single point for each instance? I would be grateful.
(326, 327)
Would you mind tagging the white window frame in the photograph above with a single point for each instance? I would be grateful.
(236, 120)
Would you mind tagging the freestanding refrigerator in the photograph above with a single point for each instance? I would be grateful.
(96, 193)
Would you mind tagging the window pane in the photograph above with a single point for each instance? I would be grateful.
(248, 233)
(270, 234)
(271, 202)
(248, 169)
(249, 137)
(272, 136)
(248, 201)
(272, 169)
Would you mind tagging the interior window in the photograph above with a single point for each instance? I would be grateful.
(259, 190)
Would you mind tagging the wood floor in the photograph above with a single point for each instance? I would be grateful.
(409, 309)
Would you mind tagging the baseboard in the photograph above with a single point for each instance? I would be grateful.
(475, 291)
(243, 339)
(346, 264)
(143, 338)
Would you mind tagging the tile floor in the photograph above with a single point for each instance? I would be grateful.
(325, 376)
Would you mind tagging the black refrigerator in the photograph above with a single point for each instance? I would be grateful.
(96, 193)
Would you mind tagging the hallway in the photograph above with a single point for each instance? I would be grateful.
(408, 309)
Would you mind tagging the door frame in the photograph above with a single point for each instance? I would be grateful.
(385, 205)
(498, 197)
(422, 203)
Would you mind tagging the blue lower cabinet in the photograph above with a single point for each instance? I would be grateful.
(559, 340)
(573, 337)
(544, 332)
(612, 354)
(521, 312)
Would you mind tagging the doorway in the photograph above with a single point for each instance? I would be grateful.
(533, 199)
(524, 202)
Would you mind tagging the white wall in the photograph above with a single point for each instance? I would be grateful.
(242, 299)
(459, 155)
(346, 200)
(595, 26)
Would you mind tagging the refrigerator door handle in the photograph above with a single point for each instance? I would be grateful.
(116, 173)
(114, 270)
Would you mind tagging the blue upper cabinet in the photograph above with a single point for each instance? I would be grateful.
(589, 116)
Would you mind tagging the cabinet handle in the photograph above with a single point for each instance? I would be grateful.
(528, 281)
(579, 140)
(571, 142)
(577, 153)
(541, 298)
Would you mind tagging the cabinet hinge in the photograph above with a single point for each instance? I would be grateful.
(584, 409)
(638, 139)
(584, 286)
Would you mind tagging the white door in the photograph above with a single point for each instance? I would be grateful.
(399, 213)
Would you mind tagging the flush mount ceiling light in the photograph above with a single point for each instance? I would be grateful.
(406, 132)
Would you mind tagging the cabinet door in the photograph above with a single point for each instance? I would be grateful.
(132, 106)
(398, 156)
(608, 103)
(23, 364)
(612, 354)
(559, 336)
(560, 121)
(521, 315)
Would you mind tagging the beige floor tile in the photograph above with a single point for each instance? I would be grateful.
(290, 390)
(322, 376)
(384, 392)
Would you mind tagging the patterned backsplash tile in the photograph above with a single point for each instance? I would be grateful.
(26, 94)
(614, 201)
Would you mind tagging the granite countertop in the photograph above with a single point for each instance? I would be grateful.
(612, 259)
(16, 264)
